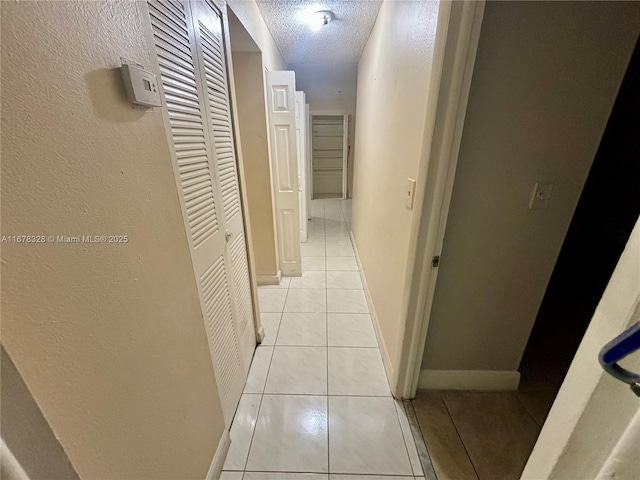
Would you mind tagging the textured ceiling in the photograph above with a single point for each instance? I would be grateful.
(341, 41)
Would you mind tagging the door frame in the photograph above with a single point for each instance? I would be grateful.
(242, 184)
(308, 165)
(345, 155)
(302, 142)
(454, 61)
(345, 144)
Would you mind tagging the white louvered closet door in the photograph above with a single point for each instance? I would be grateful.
(208, 190)
(212, 56)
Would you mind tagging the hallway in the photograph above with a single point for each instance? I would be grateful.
(317, 399)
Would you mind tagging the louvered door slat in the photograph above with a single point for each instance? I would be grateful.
(176, 58)
(238, 253)
(216, 78)
(220, 321)
(172, 26)
(219, 96)
(178, 98)
(212, 58)
(173, 49)
(220, 116)
(178, 78)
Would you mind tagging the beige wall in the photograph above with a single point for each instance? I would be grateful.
(321, 84)
(25, 431)
(109, 338)
(248, 77)
(393, 83)
(540, 98)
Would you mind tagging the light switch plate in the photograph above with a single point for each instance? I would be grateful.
(411, 190)
(541, 195)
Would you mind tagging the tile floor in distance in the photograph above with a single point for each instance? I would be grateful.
(317, 403)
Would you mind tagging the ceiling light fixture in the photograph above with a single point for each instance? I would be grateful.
(317, 20)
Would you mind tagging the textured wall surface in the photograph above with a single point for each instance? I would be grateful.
(393, 89)
(26, 432)
(540, 97)
(109, 338)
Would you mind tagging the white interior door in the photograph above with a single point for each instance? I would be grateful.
(308, 166)
(281, 86)
(345, 154)
(301, 140)
(190, 63)
(214, 73)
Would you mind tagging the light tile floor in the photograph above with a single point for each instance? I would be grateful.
(317, 403)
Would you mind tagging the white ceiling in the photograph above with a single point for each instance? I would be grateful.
(341, 41)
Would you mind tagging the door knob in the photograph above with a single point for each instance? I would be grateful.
(228, 235)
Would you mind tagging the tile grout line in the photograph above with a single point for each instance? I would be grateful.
(321, 346)
(273, 351)
(253, 432)
(368, 395)
(404, 438)
(326, 316)
(515, 394)
(359, 475)
(421, 446)
(335, 313)
(275, 340)
(446, 407)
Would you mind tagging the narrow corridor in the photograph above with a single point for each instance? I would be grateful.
(317, 398)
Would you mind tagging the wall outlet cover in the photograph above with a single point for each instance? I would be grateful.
(410, 192)
(541, 195)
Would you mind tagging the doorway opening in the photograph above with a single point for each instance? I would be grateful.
(330, 150)
(249, 72)
(602, 222)
(476, 435)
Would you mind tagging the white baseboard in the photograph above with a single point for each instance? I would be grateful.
(218, 459)
(386, 359)
(490, 380)
(269, 279)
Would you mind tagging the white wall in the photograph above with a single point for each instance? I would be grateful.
(109, 338)
(540, 98)
(328, 86)
(332, 88)
(394, 76)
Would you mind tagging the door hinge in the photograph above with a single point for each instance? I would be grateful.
(435, 261)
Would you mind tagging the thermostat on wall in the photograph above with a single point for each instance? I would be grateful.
(140, 86)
